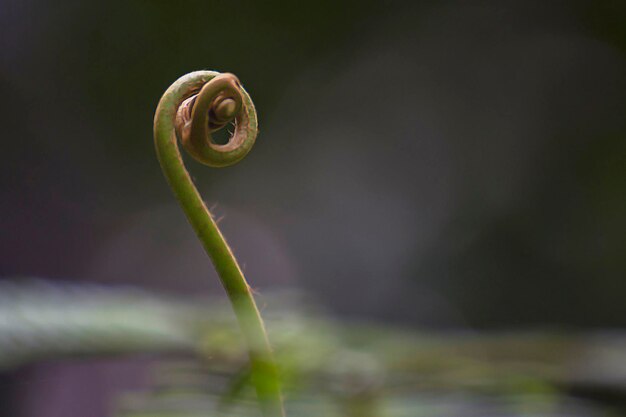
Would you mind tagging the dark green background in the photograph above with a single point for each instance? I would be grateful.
(437, 163)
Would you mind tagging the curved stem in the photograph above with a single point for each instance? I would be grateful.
(192, 107)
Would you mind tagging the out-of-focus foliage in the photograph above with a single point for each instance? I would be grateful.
(327, 367)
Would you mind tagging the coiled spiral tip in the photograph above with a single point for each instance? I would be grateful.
(219, 102)
(224, 110)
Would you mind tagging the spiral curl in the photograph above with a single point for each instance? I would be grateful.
(220, 101)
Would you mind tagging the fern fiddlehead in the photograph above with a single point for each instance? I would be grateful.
(190, 109)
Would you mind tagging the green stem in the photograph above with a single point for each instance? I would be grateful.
(192, 107)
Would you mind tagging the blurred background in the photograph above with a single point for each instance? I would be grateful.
(433, 164)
